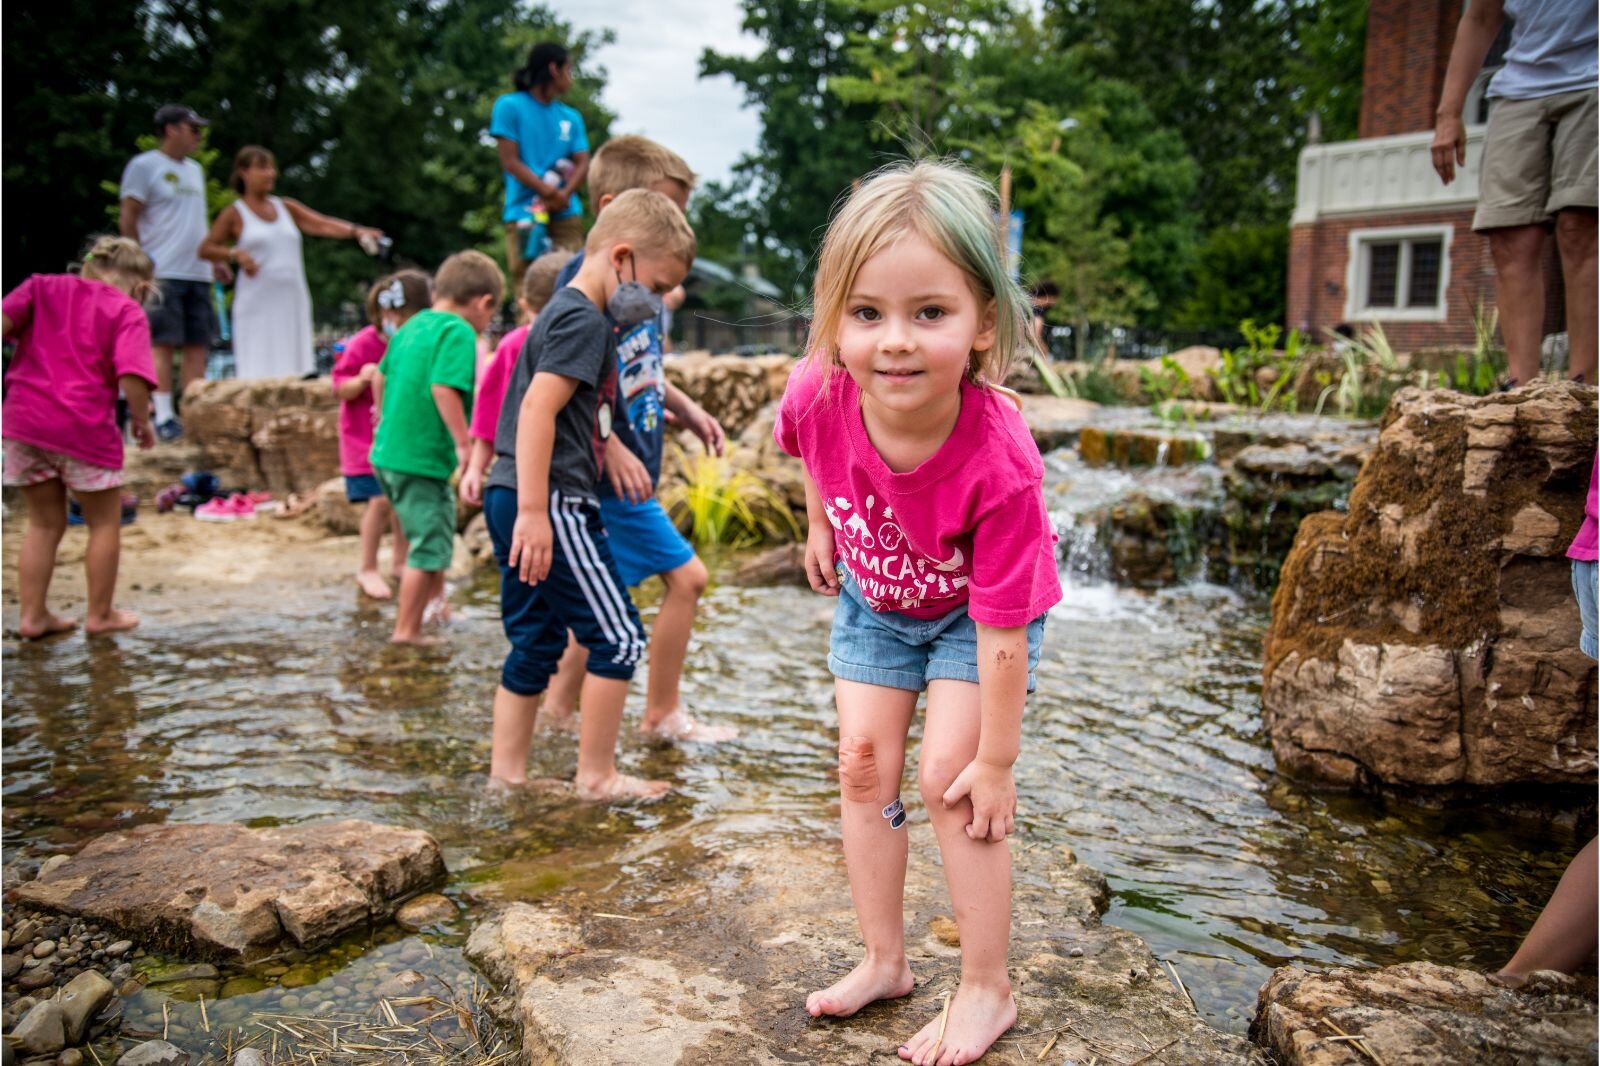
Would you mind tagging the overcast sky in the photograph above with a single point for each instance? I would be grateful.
(652, 84)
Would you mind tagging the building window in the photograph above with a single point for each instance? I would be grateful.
(1398, 274)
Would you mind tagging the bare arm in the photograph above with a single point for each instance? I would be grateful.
(1475, 35)
(352, 387)
(1002, 692)
(820, 574)
(137, 391)
(8, 325)
(454, 414)
(218, 247)
(128, 217)
(316, 224)
(512, 164)
(531, 537)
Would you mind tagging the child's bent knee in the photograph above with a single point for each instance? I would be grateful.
(858, 770)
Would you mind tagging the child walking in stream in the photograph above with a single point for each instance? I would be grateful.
(924, 495)
(78, 340)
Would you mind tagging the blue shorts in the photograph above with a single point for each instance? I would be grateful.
(359, 488)
(896, 651)
(1583, 587)
(582, 592)
(643, 539)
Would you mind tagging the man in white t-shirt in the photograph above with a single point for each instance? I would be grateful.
(1538, 169)
(164, 209)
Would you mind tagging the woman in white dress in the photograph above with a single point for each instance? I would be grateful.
(271, 304)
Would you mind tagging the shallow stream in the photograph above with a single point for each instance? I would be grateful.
(1142, 751)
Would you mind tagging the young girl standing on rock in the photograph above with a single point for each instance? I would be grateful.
(924, 492)
(78, 340)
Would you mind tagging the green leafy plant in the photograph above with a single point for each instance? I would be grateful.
(1372, 374)
(1240, 379)
(1478, 372)
(716, 504)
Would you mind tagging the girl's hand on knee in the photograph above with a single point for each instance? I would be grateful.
(819, 561)
(993, 793)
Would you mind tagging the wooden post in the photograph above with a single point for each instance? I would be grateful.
(1005, 213)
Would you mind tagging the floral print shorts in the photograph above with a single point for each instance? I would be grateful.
(28, 465)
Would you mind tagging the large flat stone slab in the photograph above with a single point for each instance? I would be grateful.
(1423, 1014)
(224, 889)
(716, 967)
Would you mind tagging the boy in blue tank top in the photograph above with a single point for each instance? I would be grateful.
(643, 538)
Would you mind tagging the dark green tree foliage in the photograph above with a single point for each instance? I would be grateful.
(1238, 274)
(377, 110)
(813, 142)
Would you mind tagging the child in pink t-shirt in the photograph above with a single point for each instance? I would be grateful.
(79, 339)
(391, 302)
(538, 285)
(924, 492)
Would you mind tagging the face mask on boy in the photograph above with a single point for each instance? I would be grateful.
(632, 303)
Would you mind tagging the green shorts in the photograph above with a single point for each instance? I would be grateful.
(426, 507)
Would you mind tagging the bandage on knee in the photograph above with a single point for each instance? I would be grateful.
(858, 770)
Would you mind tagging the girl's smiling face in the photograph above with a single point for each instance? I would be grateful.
(911, 323)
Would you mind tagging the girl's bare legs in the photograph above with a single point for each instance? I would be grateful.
(978, 874)
(561, 699)
(1563, 937)
(102, 513)
(378, 517)
(873, 721)
(47, 521)
(514, 716)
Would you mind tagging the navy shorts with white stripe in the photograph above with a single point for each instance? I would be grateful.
(583, 593)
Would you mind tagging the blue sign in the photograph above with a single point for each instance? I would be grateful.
(1014, 243)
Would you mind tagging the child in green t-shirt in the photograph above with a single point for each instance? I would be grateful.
(424, 390)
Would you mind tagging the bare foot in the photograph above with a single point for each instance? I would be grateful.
(114, 622)
(979, 1015)
(867, 983)
(679, 728)
(501, 788)
(48, 626)
(621, 787)
(373, 584)
(556, 721)
(437, 611)
(416, 640)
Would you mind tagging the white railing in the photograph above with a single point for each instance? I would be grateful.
(1382, 174)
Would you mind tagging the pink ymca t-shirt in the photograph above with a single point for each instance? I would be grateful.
(968, 526)
(355, 416)
(75, 338)
(492, 389)
(1586, 545)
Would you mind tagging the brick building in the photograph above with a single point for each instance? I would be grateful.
(1376, 236)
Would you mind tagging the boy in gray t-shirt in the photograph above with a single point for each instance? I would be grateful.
(556, 568)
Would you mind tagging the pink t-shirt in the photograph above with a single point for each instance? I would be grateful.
(1584, 545)
(75, 338)
(492, 389)
(968, 526)
(355, 416)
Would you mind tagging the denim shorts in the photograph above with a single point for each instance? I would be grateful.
(359, 488)
(896, 651)
(1583, 587)
(643, 539)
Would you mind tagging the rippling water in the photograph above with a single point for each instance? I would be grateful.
(1142, 751)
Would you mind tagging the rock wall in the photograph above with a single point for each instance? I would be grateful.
(732, 388)
(1429, 636)
(280, 434)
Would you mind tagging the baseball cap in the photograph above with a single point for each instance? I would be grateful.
(167, 114)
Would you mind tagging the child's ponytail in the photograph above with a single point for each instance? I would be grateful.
(120, 262)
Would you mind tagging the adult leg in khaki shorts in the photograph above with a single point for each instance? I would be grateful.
(1539, 162)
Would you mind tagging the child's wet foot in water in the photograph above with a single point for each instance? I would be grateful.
(114, 621)
(678, 727)
(46, 626)
(373, 584)
(621, 787)
(979, 1015)
(869, 982)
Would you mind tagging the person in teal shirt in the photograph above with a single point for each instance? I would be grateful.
(424, 389)
(534, 131)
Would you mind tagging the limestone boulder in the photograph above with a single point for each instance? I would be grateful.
(1056, 421)
(732, 388)
(684, 983)
(280, 434)
(227, 890)
(1422, 1014)
(1428, 637)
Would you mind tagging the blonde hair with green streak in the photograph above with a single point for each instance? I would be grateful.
(952, 209)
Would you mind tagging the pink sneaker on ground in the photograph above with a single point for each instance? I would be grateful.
(242, 506)
(216, 509)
